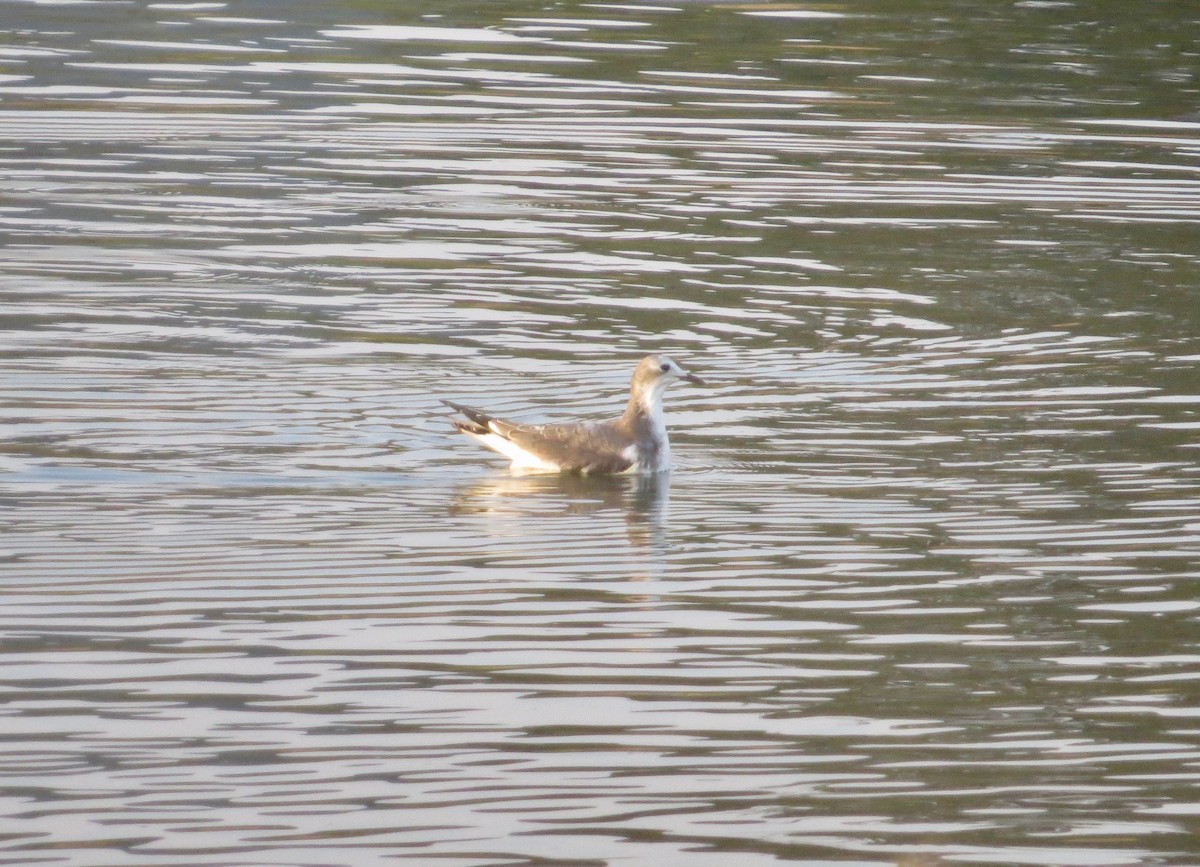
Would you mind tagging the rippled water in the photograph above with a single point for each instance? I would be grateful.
(920, 591)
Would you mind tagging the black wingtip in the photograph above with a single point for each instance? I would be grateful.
(478, 420)
(469, 427)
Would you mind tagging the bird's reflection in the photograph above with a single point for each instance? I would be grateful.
(643, 500)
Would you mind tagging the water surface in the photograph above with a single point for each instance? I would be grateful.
(920, 590)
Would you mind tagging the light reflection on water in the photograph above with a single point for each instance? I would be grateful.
(919, 590)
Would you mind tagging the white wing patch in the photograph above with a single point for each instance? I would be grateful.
(520, 458)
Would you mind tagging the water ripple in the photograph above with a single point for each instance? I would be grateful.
(918, 591)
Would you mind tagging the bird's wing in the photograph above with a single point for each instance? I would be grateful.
(589, 448)
(584, 447)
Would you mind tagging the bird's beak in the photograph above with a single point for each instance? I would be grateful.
(693, 379)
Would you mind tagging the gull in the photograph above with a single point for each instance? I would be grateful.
(635, 442)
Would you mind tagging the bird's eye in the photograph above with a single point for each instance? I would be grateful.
(665, 368)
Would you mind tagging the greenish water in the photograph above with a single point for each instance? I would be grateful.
(921, 589)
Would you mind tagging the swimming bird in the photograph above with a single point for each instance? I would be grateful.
(635, 442)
